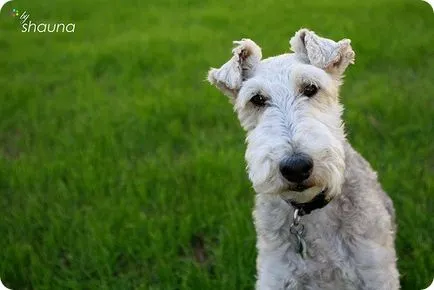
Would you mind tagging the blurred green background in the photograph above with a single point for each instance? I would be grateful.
(121, 168)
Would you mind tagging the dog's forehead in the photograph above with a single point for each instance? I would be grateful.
(293, 68)
(278, 65)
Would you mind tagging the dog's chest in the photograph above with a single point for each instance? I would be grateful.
(329, 245)
(328, 252)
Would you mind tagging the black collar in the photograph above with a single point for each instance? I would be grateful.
(317, 202)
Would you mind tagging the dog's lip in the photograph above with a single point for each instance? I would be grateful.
(300, 187)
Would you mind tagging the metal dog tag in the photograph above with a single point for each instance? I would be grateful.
(301, 246)
(297, 230)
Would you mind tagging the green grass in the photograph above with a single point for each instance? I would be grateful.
(121, 168)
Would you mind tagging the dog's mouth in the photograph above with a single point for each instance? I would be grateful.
(300, 187)
(303, 193)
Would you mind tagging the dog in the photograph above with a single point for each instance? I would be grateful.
(321, 217)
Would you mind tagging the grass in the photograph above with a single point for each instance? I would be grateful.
(121, 168)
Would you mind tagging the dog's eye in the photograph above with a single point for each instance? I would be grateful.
(258, 100)
(309, 90)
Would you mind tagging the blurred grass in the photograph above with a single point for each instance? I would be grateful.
(121, 168)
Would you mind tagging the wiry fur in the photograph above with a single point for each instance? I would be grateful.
(350, 242)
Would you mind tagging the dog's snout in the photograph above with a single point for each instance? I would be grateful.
(296, 168)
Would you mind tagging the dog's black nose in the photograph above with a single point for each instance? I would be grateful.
(296, 168)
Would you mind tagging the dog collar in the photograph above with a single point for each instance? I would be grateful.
(319, 201)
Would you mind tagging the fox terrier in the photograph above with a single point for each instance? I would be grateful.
(321, 217)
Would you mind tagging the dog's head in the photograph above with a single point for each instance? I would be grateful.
(289, 106)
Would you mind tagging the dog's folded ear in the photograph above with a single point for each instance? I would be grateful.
(229, 78)
(333, 57)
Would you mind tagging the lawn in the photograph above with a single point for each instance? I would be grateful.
(121, 168)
